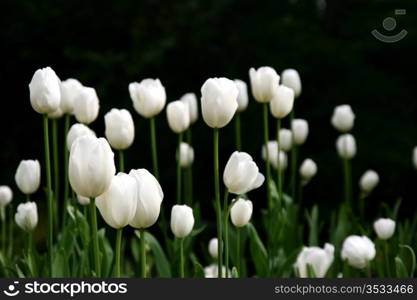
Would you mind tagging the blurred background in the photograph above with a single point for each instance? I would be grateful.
(108, 44)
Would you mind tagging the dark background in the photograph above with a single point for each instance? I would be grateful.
(108, 44)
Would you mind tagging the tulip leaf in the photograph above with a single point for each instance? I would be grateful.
(198, 271)
(258, 251)
(412, 259)
(400, 269)
(313, 220)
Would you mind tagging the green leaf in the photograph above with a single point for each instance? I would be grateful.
(412, 259)
(235, 274)
(258, 252)
(400, 269)
(198, 271)
(313, 222)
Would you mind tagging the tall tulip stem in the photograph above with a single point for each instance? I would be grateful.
(294, 157)
(142, 253)
(347, 180)
(267, 165)
(189, 172)
(238, 135)
(153, 148)
(55, 158)
(179, 169)
(121, 161)
(66, 182)
(217, 200)
(238, 246)
(118, 247)
(182, 267)
(93, 224)
(279, 171)
(226, 208)
(3, 230)
(11, 229)
(49, 192)
(386, 257)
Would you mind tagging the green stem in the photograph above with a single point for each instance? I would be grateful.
(153, 149)
(179, 170)
(11, 229)
(96, 251)
(55, 159)
(217, 199)
(279, 171)
(182, 272)
(3, 231)
(238, 246)
(66, 182)
(347, 175)
(267, 165)
(189, 173)
(300, 192)
(49, 193)
(226, 231)
(29, 253)
(117, 255)
(238, 132)
(294, 156)
(362, 206)
(386, 257)
(121, 161)
(142, 253)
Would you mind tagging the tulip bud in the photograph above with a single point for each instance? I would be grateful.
(299, 128)
(384, 228)
(149, 197)
(178, 116)
(182, 220)
(358, 251)
(415, 157)
(308, 169)
(291, 78)
(117, 205)
(241, 212)
(6, 195)
(186, 155)
(77, 130)
(242, 97)
(343, 118)
(148, 97)
(285, 139)
(83, 200)
(191, 100)
(120, 130)
(241, 174)
(91, 166)
(56, 114)
(272, 148)
(346, 146)
(26, 216)
(282, 102)
(69, 91)
(218, 101)
(45, 93)
(86, 105)
(264, 83)
(369, 181)
(28, 176)
(320, 260)
(213, 247)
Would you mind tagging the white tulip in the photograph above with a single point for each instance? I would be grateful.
(191, 100)
(290, 78)
(308, 169)
(117, 205)
(320, 260)
(299, 128)
(358, 251)
(56, 114)
(69, 91)
(285, 139)
(241, 174)
(91, 166)
(120, 130)
(6, 195)
(415, 157)
(83, 200)
(26, 216)
(264, 83)
(186, 155)
(211, 271)
(282, 102)
(213, 247)
(369, 181)
(28, 176)
(182, 220)
(241, 212)
(178, 116)
(346, 146)
(149, 197)
(272, 148)
(242, 97)
(45, 92)
(343, 118)
(148, 97)
(384, 228)
(86, 105)
(218, 101)
(77, 130)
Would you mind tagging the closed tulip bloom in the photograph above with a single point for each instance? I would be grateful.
(91, 166)
(56, 114)
(308, 169)
(282, 102)
(358, 251)
(369, 181)
(45, 92)
(83, 200)
(218, 101)
(149, 197)
(241, 212)
(213, 247)
(346, 146)
(290, 78)
(120, 130)
(26, 216)
(86, 105)
(415, 157)
(191, 100)
(178, 116)
(241, 174)
(299, 128)
(264, 83)
(384, 228)
(6, 195)
(320, 259)
(117, 205)
(242, 97)
(148, 97)
(286, 139)
(77, 130)
(182, 220)
(28, 176)
(186, 155)
(272, 148)
(69, 91)
(343, 118)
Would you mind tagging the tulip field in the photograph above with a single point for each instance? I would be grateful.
(108, 219)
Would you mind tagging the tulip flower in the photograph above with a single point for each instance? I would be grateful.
(86, 105)
(242, 104)
(6, 196)
(56, 114)
(319, 259)
(368, 181)
(343, 118)
(290, 78)
(299, 128)
(282, 102)
(213, 248)
(414, 158)
(285, 139)
(28, 176)
(185, 155)
(384, 228)
(358, 251)
(308, 170)
(272, 148)
(190, 99)
(77, 130)
(83, 200)
(346, 148)
(69, 91)
(26, 216)
(212, 271)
